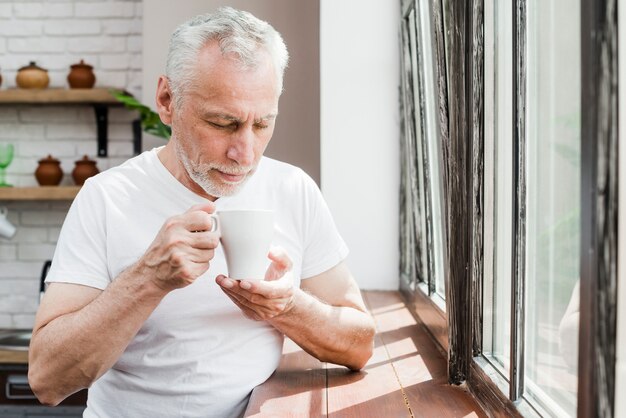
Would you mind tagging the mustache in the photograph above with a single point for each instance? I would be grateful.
(231, 170)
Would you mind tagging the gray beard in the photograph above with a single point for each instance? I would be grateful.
(199, 174)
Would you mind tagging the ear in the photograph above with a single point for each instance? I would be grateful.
(164, 101)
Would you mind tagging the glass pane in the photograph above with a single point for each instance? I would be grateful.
(553, 204)
(498, 293)
(421, 203)
(432, 146)
(408, 203)
(421, 232)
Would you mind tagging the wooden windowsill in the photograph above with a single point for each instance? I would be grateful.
(406, 376)
(39, 193)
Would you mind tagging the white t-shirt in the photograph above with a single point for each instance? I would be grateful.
(196, 355)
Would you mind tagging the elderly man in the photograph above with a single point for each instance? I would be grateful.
(137, 308)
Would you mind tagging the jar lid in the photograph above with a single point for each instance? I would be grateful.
(85, 160)
(32, 66)
(81, 64)
(49, 159)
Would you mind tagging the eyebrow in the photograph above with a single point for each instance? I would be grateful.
(231, 118)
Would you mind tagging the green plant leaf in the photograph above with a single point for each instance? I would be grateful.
(150, 120)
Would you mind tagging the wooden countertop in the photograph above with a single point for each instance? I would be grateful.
(9, 356)
(13, 357)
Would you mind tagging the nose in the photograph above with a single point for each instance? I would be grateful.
(241, 147)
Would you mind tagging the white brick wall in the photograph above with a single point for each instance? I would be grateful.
(56, 34)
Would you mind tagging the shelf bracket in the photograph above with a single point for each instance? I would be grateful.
(137, 136)
(102, 121)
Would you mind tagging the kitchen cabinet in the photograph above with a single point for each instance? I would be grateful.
(99, 98)
(41, 412)
(16, 398)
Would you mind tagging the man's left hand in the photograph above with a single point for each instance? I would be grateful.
(262, 300)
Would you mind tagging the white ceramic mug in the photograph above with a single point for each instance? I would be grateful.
(7, 229)
(246, 236)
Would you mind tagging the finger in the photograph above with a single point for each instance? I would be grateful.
(204, 240)
(208, 207)
(200, 256)
(274, 289)
(187, 272)
(199, 268)
(197, 221)
(248, 313)
(241, 300)
(258, 291)
(224, 281)
(259, 311)
(233, 287)
(263, 307)
(281, 263)
(280, 258)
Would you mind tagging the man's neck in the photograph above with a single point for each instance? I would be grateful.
(167, 156)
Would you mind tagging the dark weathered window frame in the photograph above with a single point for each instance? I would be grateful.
(518, 257)
(424, 237)
(459, 55)
(599, 214)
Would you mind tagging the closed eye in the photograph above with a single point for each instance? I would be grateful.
(229, 126)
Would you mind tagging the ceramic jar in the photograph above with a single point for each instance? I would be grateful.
(49, 172)
(32, 77)
(81, 76)
(84, 169)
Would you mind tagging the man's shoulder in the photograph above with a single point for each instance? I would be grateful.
(274, 166)
(130, 171)
(284, 182)
(282, 172)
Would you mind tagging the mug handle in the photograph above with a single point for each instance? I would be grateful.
(215, 224)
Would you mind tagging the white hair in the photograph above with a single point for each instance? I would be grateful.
(237, 32)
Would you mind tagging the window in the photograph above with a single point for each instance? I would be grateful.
(432, 154)
(422, 253)
(524, 105)
(553, 166)
(499, 151)
(411, 232)
(547, 152)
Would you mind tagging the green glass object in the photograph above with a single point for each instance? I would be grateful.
(6, 156)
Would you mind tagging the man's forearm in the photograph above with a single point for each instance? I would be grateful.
(340, 335)
(73, 350)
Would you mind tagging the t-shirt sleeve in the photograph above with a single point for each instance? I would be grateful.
(324, 248)
(80, 254)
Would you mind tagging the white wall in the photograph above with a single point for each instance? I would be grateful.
(620, 372)
(360, 170)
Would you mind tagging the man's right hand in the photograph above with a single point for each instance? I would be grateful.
(182, 250)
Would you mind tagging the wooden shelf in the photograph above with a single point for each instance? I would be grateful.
(58, 96)
(100, 98)
(39, 193)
